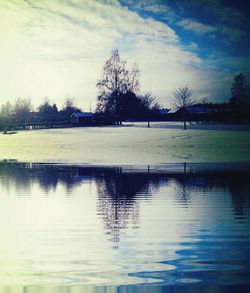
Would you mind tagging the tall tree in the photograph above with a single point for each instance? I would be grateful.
(6, 109)
(47, 111)
(149, 102)
(240, 91)
(22, 109)
(183, 97)
(115, 83)
(149, 106)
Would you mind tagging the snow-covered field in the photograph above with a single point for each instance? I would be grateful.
(130, 144)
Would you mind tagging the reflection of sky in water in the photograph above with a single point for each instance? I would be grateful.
(104, 227)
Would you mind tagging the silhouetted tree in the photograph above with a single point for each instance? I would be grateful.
(48, 112)
(116, 84)
(118, 195)
(130, 106)
(7, 110)
(149, 102)
(22, 109)
(240, 91)
(150, 107)
(69, 108)
(183, 97)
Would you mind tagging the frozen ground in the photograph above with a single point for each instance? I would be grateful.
(130, 144)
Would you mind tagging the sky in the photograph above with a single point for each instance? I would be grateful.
(57, 48)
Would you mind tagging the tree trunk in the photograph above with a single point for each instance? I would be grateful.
(184, 124)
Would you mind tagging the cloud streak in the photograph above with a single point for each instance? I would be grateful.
(195, 26)
(58, 48)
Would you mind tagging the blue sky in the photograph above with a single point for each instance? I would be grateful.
(56, 49)
(217, 28)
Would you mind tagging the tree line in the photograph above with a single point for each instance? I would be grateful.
(119, 93)
(22, 111)
(119, 98)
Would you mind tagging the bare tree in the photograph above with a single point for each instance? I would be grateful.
(69, 108)
(133, 81)
(183, 97)
(149, 102)
(115, 82)
(22, 109)
(149, 105)
(6, 110)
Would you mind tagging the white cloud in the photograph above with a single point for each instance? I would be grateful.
(192, 46)
(58, 48)
(195, 26)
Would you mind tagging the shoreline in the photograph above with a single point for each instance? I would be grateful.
(132, 145)
(167, 168)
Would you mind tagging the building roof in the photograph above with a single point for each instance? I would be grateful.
(163, 111)
(196, 109)
(192, 110)
(82, 114)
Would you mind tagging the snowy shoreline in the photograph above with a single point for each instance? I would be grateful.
(168, 168)
(134, 144)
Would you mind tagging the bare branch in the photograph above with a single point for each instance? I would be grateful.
(183, 97)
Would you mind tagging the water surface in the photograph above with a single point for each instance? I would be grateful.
(97, 226)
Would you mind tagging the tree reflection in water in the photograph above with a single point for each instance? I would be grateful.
(118, 195)
(119, 191)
